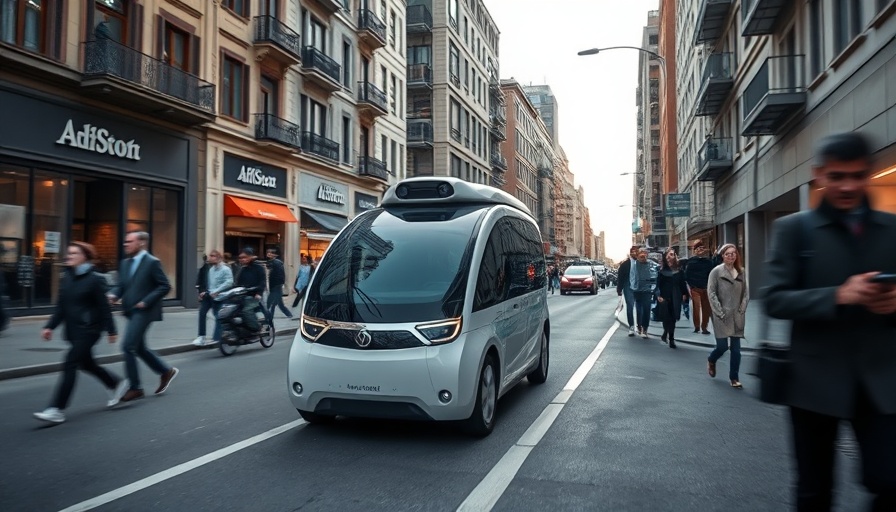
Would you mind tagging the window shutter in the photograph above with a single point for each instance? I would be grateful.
(195, 53)
(136, 26)
(160, 37)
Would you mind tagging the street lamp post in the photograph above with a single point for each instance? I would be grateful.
(653, 56)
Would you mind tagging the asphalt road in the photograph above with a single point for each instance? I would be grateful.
(643, 429)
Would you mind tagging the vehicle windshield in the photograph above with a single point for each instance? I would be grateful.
(578, 271)
(397, 265)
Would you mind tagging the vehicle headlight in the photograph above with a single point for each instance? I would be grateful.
(312, 329)
(443, 331)
(226, 310)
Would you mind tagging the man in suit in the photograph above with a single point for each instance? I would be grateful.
(843, 338)
(276, 280)
(141, 286)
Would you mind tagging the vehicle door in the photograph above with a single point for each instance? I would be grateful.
(489, 301)
(520, 299)
(536, 295)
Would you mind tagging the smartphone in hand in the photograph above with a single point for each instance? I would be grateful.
(884, 279)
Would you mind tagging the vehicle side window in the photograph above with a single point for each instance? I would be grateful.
(492, 283)
(536, 256)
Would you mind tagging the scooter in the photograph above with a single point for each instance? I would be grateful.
(233, 329)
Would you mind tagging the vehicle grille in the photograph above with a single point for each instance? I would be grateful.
(380, 340)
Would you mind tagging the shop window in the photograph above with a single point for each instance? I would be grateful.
(49, 226)
(25, 24)
(164, 225)
(14, 204)
(233, 88)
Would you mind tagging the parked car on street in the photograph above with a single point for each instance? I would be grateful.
(578, 278)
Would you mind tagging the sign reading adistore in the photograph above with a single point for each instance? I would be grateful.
(364, 202)
(254, 176)
(322, 194)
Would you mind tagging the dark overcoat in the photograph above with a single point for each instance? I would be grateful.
(671, 286)
(836, 350)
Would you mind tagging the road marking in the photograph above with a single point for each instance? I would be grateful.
(180, 469)
(492, 487)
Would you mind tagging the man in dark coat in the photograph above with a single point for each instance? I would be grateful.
(697, 274)
(251, 275)
(276, 280)
(843, 339)
(624, 288)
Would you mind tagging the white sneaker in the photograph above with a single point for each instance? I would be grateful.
(644, 334)
(51, 415)
(118, 392)
(199, 341)
(631, 331)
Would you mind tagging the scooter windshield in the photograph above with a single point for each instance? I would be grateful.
(397, 265)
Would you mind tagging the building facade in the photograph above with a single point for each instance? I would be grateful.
(454, 114)
(649, 225)
(544, 100)
(775, 79)
(564, 208)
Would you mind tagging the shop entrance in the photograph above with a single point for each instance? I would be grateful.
(235, 242)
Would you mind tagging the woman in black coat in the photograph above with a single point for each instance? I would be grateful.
(671, 293)
(83, 307)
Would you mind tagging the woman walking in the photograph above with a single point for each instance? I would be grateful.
(83, 307)
(671, 293)
(306, 269)
(728, 298)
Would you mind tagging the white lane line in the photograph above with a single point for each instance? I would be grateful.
(180, 469)
(492, 487)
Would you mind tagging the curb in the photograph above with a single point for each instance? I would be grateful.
(41, 369)
(686, 341)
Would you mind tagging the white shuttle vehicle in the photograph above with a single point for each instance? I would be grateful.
(429, 307)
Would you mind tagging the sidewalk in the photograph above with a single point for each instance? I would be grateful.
(24, 353)
(776, 330)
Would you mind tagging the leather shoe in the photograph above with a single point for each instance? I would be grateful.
(711, 368)
(132, 394)
(736, 384)
(704, 331)
(166, 379)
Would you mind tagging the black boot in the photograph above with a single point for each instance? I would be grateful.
(672, 343)
(664, 336)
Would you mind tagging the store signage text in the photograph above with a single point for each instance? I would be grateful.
(330, 194)
(255, 176)
(98, 140)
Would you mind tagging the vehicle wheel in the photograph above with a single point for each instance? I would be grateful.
(315, 418)
(226, 349)
(482, 421)
(266, 337)
(540, 374)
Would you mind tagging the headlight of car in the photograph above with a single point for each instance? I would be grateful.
(441, 332)
(312, 329)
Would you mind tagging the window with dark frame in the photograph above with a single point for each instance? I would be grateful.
(346, 139)
(314, 116)
(24, 24)
(233, 88)
(347, 64)
(111, 20)
(454, 64)
(176, 47)
(816, 38)
(238, 7)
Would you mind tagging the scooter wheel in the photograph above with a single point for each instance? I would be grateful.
(266, 337)
(227, 350)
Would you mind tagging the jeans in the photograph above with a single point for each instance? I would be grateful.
(216, 334)
(555, 283)
(642, 308)
(719, 351)
(81, 356)
(205, 304)
(134, 346)
(275, 299)
(701, 311)
(629, 305)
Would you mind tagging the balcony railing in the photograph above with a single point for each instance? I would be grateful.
(419, 75)
(110, 58)
(419, 19)
(419, 132)
(369, 166)
(455, 79)
(497, 115)
(371, 94)
(498, 130)
(499, 161)
(718, 80)
(545, 171)
(270, 29)
(312, 58)
(714, 159)
(711, 20)
(455, 134)
(761, 16)
(320, 146)
(368, 22)
(273, 128)
(776, 92)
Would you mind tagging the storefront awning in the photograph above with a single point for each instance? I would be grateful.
(242, 207)
(314, 221)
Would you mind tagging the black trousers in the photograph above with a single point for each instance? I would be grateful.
(81, 356)
(814, 437)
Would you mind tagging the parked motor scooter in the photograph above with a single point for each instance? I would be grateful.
(233, 327)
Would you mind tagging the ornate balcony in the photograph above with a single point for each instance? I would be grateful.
(321, 69)
(419, 76)
(498, 129)
(718, 80)
(545, 171)
(714, 159)
(371, 100)
(269, 127)
(761, 16)
(320, 146)
(331, 6)
(711, 20)
(123, 76)
(498, 161)
(776, 93)
(277, 42)
(371, 30)
(371, 167)
(420, 133)
(419, 20)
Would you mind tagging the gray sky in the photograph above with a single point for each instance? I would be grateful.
(596, 94)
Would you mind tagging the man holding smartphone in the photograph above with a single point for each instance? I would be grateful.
(827, 273)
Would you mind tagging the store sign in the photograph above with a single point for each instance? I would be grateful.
(254, 176)
(678, 205)
(364, 202)
(98, 140)
(330, 194)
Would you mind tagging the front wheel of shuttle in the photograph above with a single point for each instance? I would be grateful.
(482, 421)
(540, 374)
